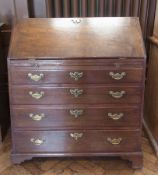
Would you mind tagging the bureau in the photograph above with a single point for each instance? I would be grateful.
(76, 88)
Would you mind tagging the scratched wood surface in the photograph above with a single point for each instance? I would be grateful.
(92, 166)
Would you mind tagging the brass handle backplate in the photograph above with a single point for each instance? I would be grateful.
(117, 76)
(37, 141)
(76, 136)
(76, 75)
(36, 117)
(117, 95)
(114, 141)
(115, 116)
(76, 113)
(76, 92)
(36, 95)
(35, 77)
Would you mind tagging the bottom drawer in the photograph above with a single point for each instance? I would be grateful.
(76, 141)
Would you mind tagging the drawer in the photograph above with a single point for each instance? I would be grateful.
(75, 94)
(76, 141)
(76, 74)
(75, 116)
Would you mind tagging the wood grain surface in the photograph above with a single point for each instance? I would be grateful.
(90, 74)
(59, 116)
(92, 63)
(92, 94)
(91, 141)
(77, 166)
(66, 38)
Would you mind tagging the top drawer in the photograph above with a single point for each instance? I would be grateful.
(70, 74)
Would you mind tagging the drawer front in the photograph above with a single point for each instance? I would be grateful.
(76, 141)
(74, 116)
(75, 94)
(86, 74)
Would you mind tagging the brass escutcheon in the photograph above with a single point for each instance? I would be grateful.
(76, 75)
(76, 113)
(76, 92)
(76, 136)
(76, 21)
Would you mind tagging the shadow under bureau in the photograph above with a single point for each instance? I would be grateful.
(76, 88)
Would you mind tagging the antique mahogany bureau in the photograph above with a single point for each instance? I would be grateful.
(76, 88)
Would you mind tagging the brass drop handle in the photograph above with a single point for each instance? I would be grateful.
(117, 76)
(115, 116)
(76, 75)
(36, 95)
(114, 141)
(35, 77)
(76, 92)
(37, 141)
(117, 95)
(76, 135)
(37, 117)
(76, 113)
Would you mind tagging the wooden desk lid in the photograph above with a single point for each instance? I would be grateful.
(77, 38)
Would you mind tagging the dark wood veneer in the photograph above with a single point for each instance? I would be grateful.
(92, 94)
(94, 116)
(86, 39)
(48, 50)
(61, 74)
(62, 142)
